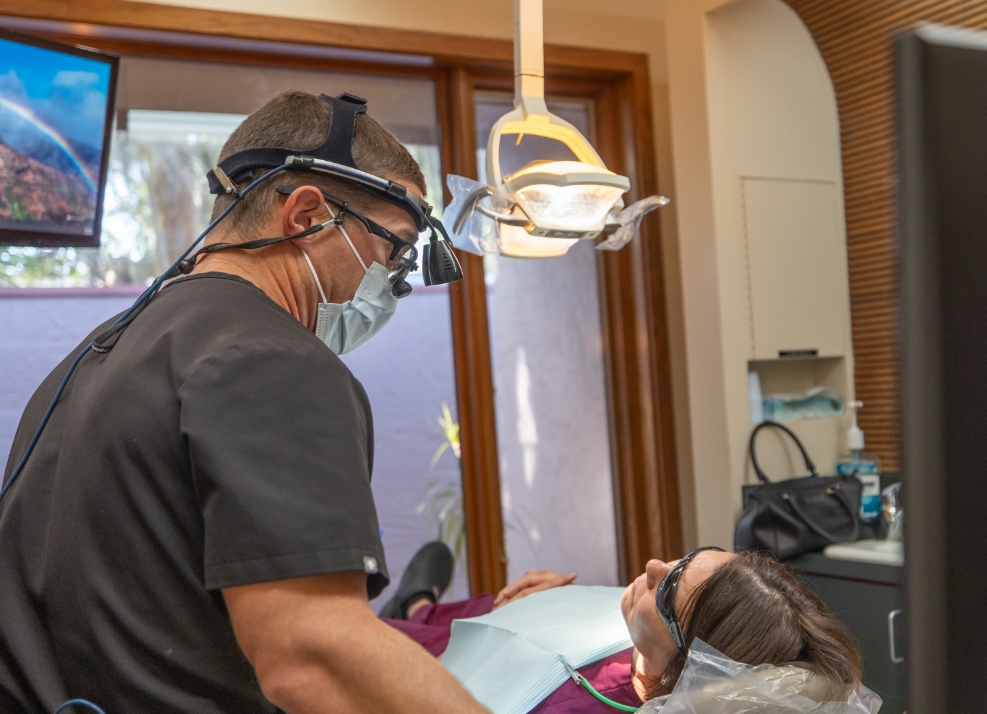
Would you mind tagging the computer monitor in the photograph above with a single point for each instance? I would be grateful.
(56, 110)
(941, 77)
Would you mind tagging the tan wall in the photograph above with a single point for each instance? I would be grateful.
(707, 450)
(631, 25)
(750, 96)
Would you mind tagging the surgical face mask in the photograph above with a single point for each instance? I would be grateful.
(344, 327)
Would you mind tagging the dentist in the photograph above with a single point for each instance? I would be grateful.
(194, 531)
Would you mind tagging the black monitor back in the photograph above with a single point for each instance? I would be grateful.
(942, 219)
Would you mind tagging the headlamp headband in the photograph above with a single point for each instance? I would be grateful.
(334, 156)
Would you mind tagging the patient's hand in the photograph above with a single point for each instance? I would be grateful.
(533, 581)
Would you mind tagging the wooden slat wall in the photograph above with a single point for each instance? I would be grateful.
(855, 41)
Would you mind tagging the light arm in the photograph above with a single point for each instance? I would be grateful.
(529, 57)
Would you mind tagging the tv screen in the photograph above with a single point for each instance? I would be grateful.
(56, 110)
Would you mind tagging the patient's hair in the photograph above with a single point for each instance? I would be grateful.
(300, 120)
(753, 610)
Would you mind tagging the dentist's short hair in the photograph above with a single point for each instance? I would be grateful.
(296, 119)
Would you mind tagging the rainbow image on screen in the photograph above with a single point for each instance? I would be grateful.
(53, 113)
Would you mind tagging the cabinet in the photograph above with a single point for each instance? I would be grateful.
(869, 599)
(796, 263)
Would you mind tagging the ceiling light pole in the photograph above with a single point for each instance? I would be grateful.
(529, 57)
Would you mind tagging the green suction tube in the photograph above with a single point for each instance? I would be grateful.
(583, 682)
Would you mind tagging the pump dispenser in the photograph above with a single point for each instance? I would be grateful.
(866, 467)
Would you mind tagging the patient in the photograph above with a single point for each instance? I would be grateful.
(746, 605)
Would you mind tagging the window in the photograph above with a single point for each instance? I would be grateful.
(632, 292)
(552, 425)
(173, 117)
(172, 120)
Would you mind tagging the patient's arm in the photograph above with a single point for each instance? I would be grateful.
(533, 581)
(316, 647)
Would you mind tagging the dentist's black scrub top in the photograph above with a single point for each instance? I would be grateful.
(219, 443)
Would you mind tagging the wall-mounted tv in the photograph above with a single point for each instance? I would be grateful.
(56, 111)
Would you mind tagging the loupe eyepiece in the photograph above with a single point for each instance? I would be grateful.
(400, 288)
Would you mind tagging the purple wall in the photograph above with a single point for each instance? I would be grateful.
(552, 420)
(407, 371)
(36, 332)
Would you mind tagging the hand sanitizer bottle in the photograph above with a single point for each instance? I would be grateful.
(866, 467)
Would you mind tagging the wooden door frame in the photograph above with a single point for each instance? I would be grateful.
(631, 281)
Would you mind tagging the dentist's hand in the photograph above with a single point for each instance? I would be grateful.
(533, 581)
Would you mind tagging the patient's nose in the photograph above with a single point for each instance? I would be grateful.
(656, 570)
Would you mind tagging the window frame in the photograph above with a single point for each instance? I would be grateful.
(631, 284)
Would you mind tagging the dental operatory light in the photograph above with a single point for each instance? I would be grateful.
(549, 188)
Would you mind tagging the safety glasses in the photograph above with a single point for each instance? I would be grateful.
(665, 599)
(403, 258)
(404, 255)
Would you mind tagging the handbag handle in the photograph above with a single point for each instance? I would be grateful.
(778, 513)
(840, 496)
(761, 476)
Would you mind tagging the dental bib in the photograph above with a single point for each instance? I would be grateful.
(513, 657)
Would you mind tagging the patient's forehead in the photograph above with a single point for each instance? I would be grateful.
(702, 566)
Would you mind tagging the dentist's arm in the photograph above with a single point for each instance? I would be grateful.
(317, 647)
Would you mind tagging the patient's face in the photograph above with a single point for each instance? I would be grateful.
(649, 634)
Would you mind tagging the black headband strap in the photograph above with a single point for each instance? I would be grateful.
(337, 146)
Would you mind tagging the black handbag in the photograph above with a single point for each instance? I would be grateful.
(799, 515)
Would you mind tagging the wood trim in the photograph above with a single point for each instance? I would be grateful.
(632, 300)
(631, 281)
(633, 311)
(854, 39)
(246, 56)
(471, 355)
(222, 24)
(89, 16)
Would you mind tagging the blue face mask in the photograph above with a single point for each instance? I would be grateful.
(345, 326)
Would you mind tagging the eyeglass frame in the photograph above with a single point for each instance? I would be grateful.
(372, 227)
(665, 598)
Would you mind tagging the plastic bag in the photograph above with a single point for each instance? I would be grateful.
(475, 232)
(817, 403)
(712, 683)
(469, 229)
(630, 221)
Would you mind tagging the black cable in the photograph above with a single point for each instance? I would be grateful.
(101, 343)
(105, 342)
(186, 266)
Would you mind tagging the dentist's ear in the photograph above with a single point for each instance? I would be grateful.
(303, 208)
